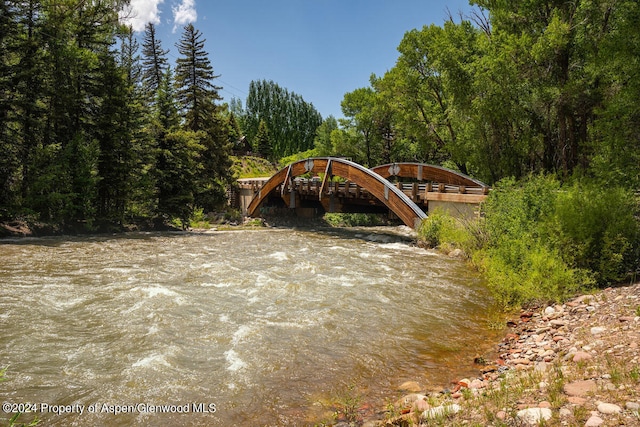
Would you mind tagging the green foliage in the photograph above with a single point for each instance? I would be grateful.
(353, 219)
(285, 161)
(263, 144)
(432, 229)
(88, 131)
(521, 272)
(292, 122)
(595, 229)
(521, 264)
(252, 167)
(541, 241)
(322, 142)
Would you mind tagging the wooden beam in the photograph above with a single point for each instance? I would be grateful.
(327, 176)
(455, 197)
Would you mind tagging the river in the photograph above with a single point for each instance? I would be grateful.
(245, 328)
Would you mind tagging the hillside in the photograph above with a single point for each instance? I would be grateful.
(252, 167)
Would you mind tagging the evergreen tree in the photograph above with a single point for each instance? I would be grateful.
(263, 141)
(114, 133)
(235, 134)
(197, 96)
(9, 163)
(177, 158)
(194, 79)
(142, 200)
(154, 62)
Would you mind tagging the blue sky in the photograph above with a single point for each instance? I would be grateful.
(319, 49)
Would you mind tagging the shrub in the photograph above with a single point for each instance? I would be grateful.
(539, 241)
(595, 228)
(442, 230)
(354, 219)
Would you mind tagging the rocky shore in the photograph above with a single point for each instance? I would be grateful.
(575, 364)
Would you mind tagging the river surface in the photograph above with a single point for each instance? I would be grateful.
(239, 328)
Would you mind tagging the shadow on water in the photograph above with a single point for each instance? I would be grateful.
(379, 234)
(53, 241)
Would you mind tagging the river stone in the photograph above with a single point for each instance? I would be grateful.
(549, 311)
(580, 388)
(409, 400)
(477, 384)
(633, 406)
(609, 408)
(594, 421)
(565, 413)
(533, 416)
(410, 386)
(597, 330)
(581, 356)
(576, 400)
(441, 411)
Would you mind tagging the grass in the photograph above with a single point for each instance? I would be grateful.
(252, 167)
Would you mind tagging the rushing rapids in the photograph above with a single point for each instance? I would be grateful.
(227, 328)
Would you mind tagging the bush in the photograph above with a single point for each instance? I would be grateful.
(595, 228)
(442, 230)
(354, 219)
(539, 241)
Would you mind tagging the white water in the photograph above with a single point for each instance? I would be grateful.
(265, 325)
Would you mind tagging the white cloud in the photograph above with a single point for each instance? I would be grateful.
(185, 13)
(140, 12)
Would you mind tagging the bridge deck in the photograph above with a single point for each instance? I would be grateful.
(418, 192)
(364, 186)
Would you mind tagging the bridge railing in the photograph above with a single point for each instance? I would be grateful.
(418, 192)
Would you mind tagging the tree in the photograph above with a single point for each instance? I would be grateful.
(9, 161)
(322, 141)
(197, 96)
(177, 157)
(263, 141)
(114, 133)
(154, 62)
(292, 122)
(194, 79)
(357, 106)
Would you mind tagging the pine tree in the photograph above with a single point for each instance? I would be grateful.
(194, 79)
(196, 95)
(264, 146)
(9, 165)
(154, 62)
(177, 157)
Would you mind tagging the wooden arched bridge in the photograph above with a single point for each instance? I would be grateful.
(309, 186)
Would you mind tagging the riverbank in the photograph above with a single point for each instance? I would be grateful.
(575, 364)
(23, 228)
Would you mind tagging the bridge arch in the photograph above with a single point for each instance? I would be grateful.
(425, 172)
(394, 199)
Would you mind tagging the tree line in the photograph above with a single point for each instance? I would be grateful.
(512, 89)
(96, 128)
